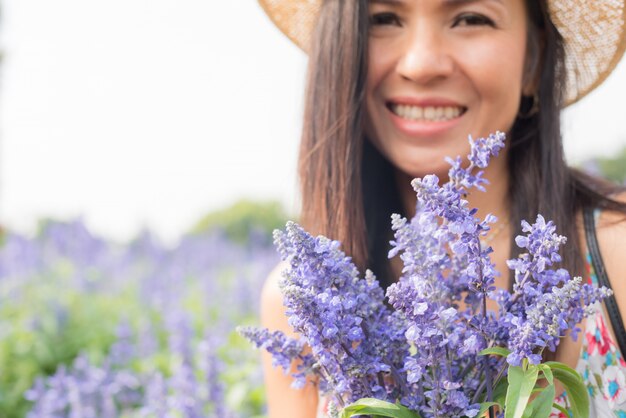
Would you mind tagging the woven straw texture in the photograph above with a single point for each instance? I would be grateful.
(593, 30)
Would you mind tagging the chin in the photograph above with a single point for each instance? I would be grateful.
(419, 169)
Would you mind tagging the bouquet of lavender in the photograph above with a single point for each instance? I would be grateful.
(434, 350)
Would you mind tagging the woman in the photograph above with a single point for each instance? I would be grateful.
(395, 86)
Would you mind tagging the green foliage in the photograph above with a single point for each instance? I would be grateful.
(498, 351)
(614, 168)
(377, 408)
(242, 395)
(574, 387)
(46, 329)
(541, 406)
(51, 328)
(65, 294)
(521, 383)
(484, 407)
(244, 218)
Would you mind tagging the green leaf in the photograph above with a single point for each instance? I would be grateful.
(542, 405)
(485, 406)
(577, 395)
(521, 384)
(547, 373)
(560, 408)
(499, 392)
(377, 408)
(498, 351)
(555, 365)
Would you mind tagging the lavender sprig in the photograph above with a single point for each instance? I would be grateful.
(443, 259)
(545, 303)
(425, 353)
(343, 318)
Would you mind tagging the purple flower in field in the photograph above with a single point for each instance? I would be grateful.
(185, 390)
(84, 390)
(155, 403)
(122, 351)
(69, 276)
(181, 333)
(19, 257)
(211, 367)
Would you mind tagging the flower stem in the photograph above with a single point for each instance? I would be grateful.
(488, 380)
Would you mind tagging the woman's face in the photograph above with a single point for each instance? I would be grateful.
(438, 71)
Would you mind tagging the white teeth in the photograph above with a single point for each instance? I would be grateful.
(429, 113)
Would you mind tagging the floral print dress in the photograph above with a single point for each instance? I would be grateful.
(601, 365)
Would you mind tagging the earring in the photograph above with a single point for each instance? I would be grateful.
(529, 106)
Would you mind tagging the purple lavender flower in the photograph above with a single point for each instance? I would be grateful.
(172, 286)
(284, 350)
(545, 303)
(443, 259)
(155, 404)
(425, 352)
(122, 351)
(342, 317)
(85, 390)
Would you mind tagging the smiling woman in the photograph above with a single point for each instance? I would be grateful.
(396, 86)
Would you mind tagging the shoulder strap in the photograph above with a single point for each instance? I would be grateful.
(603, 280)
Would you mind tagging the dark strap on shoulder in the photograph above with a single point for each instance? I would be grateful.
(603, 280)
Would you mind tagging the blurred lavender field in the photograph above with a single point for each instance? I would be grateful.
(91, 328)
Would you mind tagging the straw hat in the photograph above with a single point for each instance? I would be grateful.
(594, 32)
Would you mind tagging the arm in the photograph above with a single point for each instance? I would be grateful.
(282, 400)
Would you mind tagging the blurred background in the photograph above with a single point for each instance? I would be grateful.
(147, 149)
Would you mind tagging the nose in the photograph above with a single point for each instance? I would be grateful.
(425, 57)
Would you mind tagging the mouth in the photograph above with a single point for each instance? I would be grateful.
(426, 113)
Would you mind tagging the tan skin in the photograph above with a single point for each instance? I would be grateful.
(420, 56)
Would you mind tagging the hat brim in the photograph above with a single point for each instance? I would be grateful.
(593, 32)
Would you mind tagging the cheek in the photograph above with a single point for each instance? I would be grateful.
(498, 70)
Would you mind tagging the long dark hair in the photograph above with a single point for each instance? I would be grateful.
(539, 179)
(348, 188)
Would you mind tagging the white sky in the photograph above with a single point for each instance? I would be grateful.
(149, 113)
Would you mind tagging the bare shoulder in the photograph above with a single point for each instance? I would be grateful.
(272, 308)
(271, 287)
(283, 401)
(611, 231)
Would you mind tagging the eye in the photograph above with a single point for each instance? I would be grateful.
(384, 18)
(473, 19)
